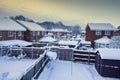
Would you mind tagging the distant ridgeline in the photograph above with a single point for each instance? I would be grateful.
(49, 25)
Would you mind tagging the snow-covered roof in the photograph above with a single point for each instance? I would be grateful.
(104, 40)
(78, 38)
(109, 53)
(61, 42)
(85, 42)
(59, 30)
(15, 42)
(50, 34)
(83, 31)
(31, 26)
(47, 39)
(52, 55)
(7, 24)
(101, 26)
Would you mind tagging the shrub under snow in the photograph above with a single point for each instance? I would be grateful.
(115, 42)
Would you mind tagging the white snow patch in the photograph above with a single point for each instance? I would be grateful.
(31, 26)
(52, 55)
(85, 42)
(59, 30)
(109, 53)
(47, 39)
(62, 42)
(15, 42)
(6, 24)
(66, 70)
(103, 40)
(12, 68)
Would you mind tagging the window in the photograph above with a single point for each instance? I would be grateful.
(33, 33)
(19, 33)
(0, 34)
(98, 32)
(42, 33)
(38, 33)
(107, 32)
(10, 33)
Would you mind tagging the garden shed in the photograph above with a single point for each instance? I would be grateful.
(107, 62)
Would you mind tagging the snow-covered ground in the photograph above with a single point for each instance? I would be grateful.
(11, 68)
(66, 70)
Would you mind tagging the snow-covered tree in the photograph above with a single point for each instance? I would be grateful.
(76, 29)
(115, 42)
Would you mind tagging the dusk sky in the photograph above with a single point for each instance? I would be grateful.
(70, 12)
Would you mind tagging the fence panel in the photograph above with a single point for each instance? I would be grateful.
(36, 69)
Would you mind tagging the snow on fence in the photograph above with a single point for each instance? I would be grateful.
(32, 52)
(35, 69)
(3, 50)
(64, 53)
(68, 54)
(84, 56)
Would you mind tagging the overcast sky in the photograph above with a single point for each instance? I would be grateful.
(70, 12)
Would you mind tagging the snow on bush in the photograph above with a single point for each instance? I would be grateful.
(115, 42)
(51, 55)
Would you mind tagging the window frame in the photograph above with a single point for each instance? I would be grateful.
(38, 33)
(19, 33)
(107, 32)
(33, 33)
(1, 33)
(11, 33)
(98, 32)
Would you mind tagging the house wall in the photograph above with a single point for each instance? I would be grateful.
(91, 35)
(29, 36)
(5, 36)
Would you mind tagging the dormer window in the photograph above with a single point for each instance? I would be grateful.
(107, 32)
(98, 32)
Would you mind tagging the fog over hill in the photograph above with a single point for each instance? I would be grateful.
(49, 24)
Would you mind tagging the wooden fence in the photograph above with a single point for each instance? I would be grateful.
(32, 52)
(34, 71)
(64, 53)
(84, 56)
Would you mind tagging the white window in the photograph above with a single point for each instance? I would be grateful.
(107, 32)
(38, 33)
(42, 33)
(98, 32)
(19, 33)
(10, 33)
(33, 33)
(0, 34)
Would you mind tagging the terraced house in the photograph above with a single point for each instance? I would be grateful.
(33, 31)
(10, 30)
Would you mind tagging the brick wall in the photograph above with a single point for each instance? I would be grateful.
(5, 36)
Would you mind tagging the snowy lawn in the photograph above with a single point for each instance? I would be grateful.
(66, 70)
(11, 68)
